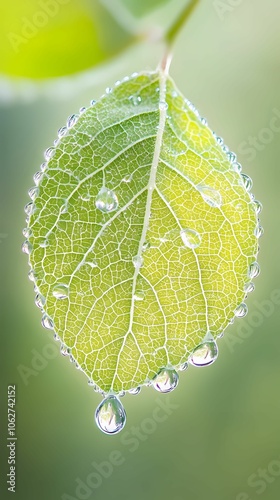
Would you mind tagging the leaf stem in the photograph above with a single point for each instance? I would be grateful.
(179, 22)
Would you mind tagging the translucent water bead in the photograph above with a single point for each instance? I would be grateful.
(204, 354)
(166, 381)
(110, 415)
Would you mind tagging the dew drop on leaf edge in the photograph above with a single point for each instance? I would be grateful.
(166, 380)
(204, 354)
(110, 415)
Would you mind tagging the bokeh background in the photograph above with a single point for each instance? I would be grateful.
(219, 439)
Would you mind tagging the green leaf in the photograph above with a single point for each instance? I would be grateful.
(53, 38)
(141, 234)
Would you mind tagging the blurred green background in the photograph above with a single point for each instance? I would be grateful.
(221, 431)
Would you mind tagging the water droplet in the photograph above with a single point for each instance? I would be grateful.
(231, 157)
(44, 243)
(108, 90)
(33, 192)
(127, 179)
(37, 177)
(64, 208)
(60, 291)
(146, 246)
(247, 182)
(249, 287)
(184, 366)
(163, 106)
(258, 206)
(82, 110)
(110, 415)
(204, 354)
(92, 263)
(92, 102)
(117, 83)
(135, 99)
(29, 208)
(26, 247)
(135, 391)
(43, 166)
(254, 270)
(49, 153)
(62, 132)
(166, 381)
(90, 382)
(72, 120)
(47, 322)
(27, 232)
(64, 350)
(190, 238)
(219, 139)
(139, 296)
(106, 200)
(31, 275)
(241, 310)
(258, 231)
(237, 167)
(137, 261)
(211, 196)
(174, 93)
(225, 149)
(40, 300)
(204, 122)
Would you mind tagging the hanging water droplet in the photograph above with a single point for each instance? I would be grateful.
(211, 196)
(137, 261)
(47, 322)
(258, 206)
(190, 238)
(49, 153)
(64, 350)
(37, 177)
(26, 247)
(27, 232)
(247, 182)
(135, 391)
(254, 270)
(29, 208)
(166, 381)
(62, 132)
(40, 300)
(110, 415)
(249, 287)
(258, 231)
(72, 120)
(204, 354)
(33, 192)
(106, 200)
(163, 106)
(237, 167)
(135, 99)
(241, 310)
(31, 275)
(60, 291)
(139, 296)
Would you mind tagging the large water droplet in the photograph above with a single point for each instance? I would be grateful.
(110, 415)
(254, 270)
(212, 197)
(247, 181)
(106, 200)
(26, 247)
(137, 261)
(47, 322)
(204, 354)
(60, 291)
(241, 310)
(190, 238)
(166, 381)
